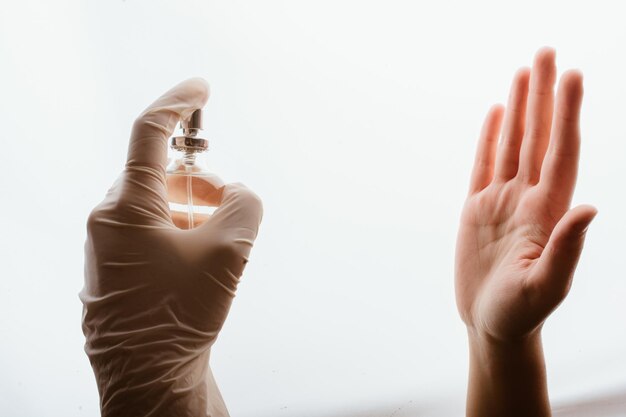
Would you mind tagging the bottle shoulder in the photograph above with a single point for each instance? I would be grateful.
(182, 167)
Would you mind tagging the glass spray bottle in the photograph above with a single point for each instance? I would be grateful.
(193, 191)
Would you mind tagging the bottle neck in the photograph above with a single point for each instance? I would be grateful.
(189, 157)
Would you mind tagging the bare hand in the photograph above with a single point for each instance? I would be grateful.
(519, 241)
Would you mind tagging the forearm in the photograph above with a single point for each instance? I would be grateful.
(507, 379)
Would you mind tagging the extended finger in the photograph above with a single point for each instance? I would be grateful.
(482, 174)
(143, 189)
(538, 116)
(507, 160)
(560, 168)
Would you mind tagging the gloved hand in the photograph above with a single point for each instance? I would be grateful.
(155, 296)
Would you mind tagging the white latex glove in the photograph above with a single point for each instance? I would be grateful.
(155, 296)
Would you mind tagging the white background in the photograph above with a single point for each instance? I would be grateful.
(355, 121)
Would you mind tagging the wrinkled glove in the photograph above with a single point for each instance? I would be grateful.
(155, 296)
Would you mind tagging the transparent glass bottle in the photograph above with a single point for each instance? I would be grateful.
(193, 191)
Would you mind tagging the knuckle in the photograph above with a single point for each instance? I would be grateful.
(537, 131)
(94, 220)
(227, 252)
(148, 125)
(139, 123)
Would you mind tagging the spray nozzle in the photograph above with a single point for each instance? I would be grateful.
(192, 125)
(190, 142)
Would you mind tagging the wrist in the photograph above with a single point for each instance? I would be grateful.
(492, 347)
(507, 377)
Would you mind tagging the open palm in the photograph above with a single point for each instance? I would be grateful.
(519, 242)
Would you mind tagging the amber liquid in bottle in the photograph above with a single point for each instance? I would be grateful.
(194, 192)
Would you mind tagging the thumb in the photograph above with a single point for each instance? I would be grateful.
(554, 270)
(224, 241)
(239, 214)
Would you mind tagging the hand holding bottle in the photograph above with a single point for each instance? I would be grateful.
(156, 296)
(519, 241)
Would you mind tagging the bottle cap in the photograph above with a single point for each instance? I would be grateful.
(190, 141)
(192, 125)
